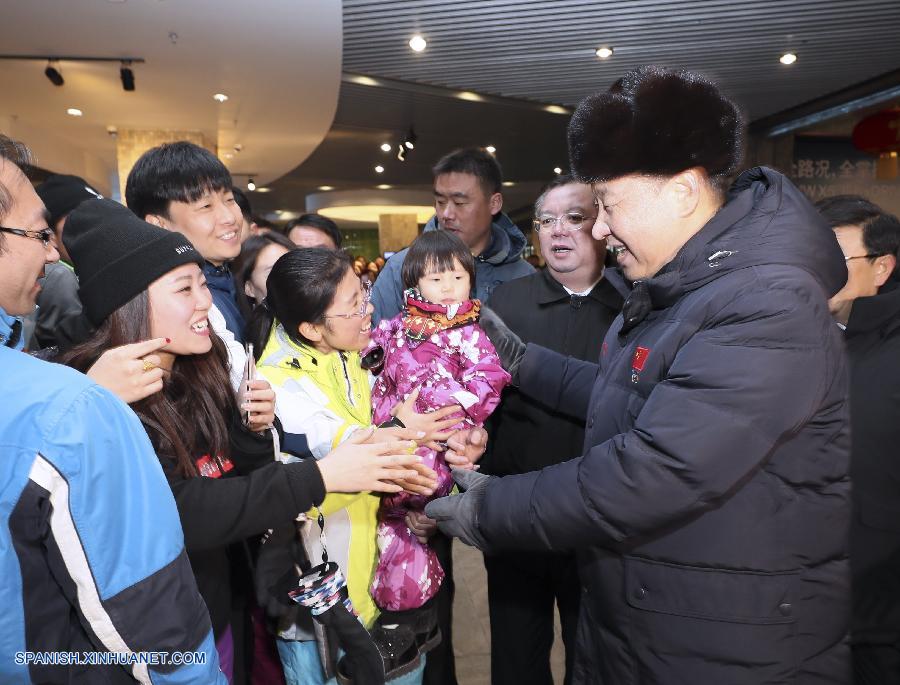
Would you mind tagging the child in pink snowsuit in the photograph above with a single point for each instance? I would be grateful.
(434, 346)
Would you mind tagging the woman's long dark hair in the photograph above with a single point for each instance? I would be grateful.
(190, 416)
(242, 267)
(299, 289)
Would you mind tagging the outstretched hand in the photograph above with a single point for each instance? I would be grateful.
(355, 466)
(457, 515)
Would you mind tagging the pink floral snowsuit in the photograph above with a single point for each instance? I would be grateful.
(455, 363)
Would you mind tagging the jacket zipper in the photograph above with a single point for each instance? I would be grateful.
(347, 379)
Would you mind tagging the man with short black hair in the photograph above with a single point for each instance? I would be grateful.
(710, 508)
(91, 550)
(868, 310)
(567, 307)
(468, 203)
(314, 230)
(185, 188)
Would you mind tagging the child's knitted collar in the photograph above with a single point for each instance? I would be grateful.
(422, 319)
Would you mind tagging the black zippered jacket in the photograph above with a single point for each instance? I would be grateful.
(711, 506)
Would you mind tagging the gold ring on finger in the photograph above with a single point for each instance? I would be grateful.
(148, 366)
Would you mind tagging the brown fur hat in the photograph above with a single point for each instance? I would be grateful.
(657, 122)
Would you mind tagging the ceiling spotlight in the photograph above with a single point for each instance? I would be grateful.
(326, 187)
(127, 76)
(53, 74)
(264, 189)
(788, 58)
(491, 149)
(411, 138)
(74, 112)
(251, 186)
(383, 186)
(401, 152)
(220, 97)
(604, 53)
(385, 147)
(417, 43)
(557, 170)
(379, 169)
(509, 184)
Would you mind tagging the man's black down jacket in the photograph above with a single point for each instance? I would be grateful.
(711, 506)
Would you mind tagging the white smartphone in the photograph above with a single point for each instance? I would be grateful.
(249, 375)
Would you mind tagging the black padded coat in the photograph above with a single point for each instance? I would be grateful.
(711, 506)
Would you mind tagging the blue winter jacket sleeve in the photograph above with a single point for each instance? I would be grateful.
(735, 392)
(113, 540)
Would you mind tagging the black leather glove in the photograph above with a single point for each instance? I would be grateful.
(457, 515)
(509, 346)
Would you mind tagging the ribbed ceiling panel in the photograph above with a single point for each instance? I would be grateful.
(544, 51)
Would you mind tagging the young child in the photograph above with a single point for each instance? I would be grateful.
(436, 347)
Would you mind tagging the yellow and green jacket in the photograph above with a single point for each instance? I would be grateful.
(327, 397)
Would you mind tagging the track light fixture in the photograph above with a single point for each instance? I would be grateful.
(53, 74)
(410, 141)
(251, 186)
(127, 76)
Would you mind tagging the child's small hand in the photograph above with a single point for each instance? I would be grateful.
(421, 526)
(433, 424)
(423, 483)
(466, 447)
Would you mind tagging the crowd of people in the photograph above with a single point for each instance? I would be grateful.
(239, 442)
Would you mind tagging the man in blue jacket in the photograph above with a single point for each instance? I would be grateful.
(97, 587)
(710, 508)
(467, 202)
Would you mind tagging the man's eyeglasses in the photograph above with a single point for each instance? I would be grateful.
(570, 221)
(45, 235)
(862, 256)
(363, 307)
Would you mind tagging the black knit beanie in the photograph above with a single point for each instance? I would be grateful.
(117, 255)
(62, 193)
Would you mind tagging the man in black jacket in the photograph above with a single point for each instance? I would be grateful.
(868, 309)
(568, 308)
(710, 509)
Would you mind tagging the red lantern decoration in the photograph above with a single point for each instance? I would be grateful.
(879, 133)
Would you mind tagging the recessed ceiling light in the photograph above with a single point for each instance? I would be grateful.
(326, 187)
(604, 53)
(491, 149)
(74, 111)
(509, 184)
(469, 95)
(383, 186)
(220, 97)
(788, 58)
(386, 147)
(379, 169)
(557, 170)
(556, 109)
(264, 189)
(417, 43)
(229, 155)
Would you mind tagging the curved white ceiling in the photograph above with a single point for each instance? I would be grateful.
(278, 61)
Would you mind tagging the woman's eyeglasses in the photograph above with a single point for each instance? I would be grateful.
(363, 308)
